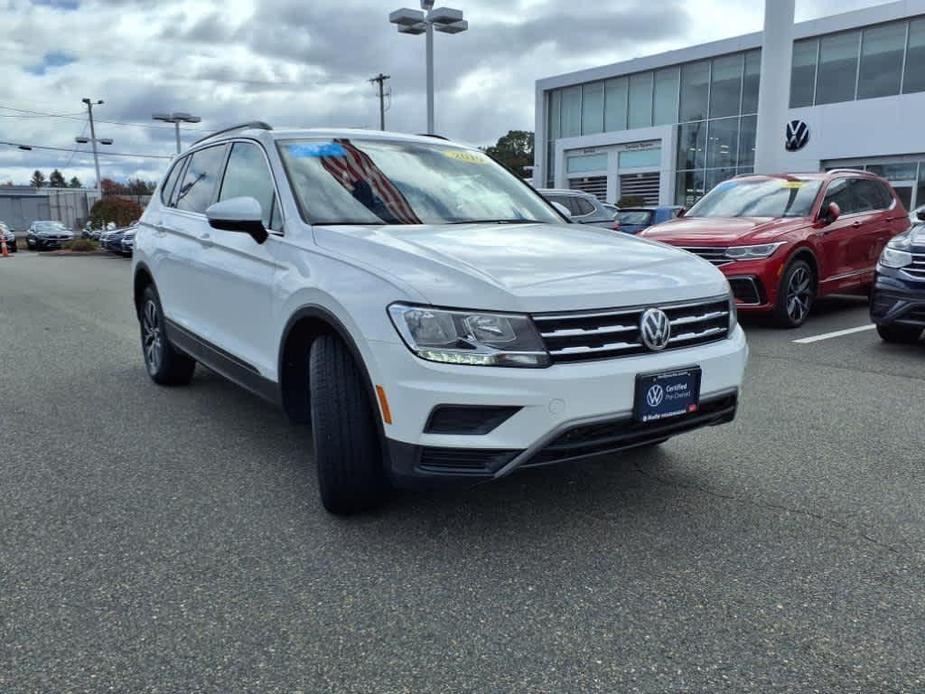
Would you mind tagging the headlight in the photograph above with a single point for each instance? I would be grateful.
(894, 255)
(751, 252)
(471, 338)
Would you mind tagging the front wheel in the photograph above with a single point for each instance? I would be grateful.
(900, 334)
(348, 453)
(796, 295)
(166, 366)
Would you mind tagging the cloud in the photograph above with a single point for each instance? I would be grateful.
(50, 60)
(306, 63)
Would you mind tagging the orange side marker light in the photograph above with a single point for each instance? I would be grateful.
(384, 404)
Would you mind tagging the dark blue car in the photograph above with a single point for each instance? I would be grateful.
(897, 303)
(632, 220)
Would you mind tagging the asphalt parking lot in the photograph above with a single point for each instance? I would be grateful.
(172, 540)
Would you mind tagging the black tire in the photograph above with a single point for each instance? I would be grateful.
(345, 436)
(795, 295)
(164, 364)
(899, 334)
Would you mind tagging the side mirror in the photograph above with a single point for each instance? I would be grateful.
(238, 214)
(829, 213)
(681, 212)
(562, 209)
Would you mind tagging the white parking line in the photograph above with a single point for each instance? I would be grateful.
(837, 333)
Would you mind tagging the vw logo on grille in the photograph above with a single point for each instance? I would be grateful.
(655, 329)
(797, 135)
(655, 395)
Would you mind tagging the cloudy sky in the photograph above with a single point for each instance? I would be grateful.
(307, 63)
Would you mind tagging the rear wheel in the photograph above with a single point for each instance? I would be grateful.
(166, 366)
(796, 294)
(348, 453)
(902, 334)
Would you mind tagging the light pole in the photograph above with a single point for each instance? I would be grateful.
(426, 21)
(176, 119)
(96, 159)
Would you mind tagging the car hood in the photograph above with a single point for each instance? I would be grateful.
(708, 231)
(525, 267)
(53, 232)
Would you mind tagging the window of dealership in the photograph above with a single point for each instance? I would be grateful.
(710, 106)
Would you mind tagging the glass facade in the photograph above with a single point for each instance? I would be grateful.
(712, 102)
(879, 60)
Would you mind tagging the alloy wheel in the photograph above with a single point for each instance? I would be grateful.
(799, 294)
(152, 336)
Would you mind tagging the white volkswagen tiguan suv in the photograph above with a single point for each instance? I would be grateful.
(429, 314)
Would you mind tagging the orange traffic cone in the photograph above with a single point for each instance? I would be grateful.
(4, 251)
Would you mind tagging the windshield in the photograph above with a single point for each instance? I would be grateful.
(635, 217)
(50, 226)
(345, 181)
(767, 197)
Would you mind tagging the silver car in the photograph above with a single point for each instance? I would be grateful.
(583, 208)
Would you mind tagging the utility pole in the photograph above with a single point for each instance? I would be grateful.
(380, 79)
(96, 159)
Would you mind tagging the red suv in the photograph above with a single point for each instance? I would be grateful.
(783, 240)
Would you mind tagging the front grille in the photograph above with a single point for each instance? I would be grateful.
(606, 437)
(464, 460)
(715, 255)
(917, 269)
(609, 333)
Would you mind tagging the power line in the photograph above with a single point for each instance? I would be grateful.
(102, 154)
(79, 116)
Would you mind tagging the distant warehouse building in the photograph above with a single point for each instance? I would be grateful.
(22, 205)
(841, 91)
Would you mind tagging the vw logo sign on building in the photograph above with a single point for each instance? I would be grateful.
(655, 329)
(797, 135)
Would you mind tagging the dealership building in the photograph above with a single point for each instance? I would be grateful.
(841, 91)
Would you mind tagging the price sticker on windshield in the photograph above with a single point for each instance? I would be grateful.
(791, 184)
(466, 156)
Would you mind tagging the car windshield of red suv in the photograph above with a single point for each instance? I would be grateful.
(765, 197)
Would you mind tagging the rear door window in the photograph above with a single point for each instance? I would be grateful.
(582, 206)
(197, 191)
(869, 195)
(635, 217)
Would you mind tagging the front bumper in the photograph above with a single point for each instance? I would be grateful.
(551, 402)
(754, 283)
(897, 298)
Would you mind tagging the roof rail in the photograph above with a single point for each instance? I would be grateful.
(434, 135)
(846, 170)
(255, 124)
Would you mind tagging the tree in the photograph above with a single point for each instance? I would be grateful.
(74, 183)
(136, 186)
(56, 180)
(631, 201)
(110, 187)
(515, 151)
(38, 179)
(113, 209)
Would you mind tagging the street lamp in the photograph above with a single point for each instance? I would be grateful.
(426, 21)
(176, 119)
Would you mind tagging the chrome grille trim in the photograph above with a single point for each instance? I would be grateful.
(612, 333)
(917, 269)
(714, 254)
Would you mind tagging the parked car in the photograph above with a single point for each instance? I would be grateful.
(9, 237)
(434, 319)
(44, 235)
(785, 240)
(112, 240)
(632, 220)
(127, 243)
(584, 208)
(897, 303)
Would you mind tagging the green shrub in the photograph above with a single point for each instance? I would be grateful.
(631, 201)
(80, 245)
(118, 210)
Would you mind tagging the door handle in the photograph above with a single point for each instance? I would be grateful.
(855, 224)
